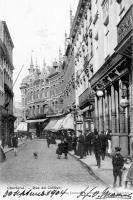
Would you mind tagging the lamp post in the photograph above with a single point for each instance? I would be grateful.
(99, 112)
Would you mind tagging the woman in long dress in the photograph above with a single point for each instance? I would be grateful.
(2, 154)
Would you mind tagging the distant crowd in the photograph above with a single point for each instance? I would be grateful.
(83, 145)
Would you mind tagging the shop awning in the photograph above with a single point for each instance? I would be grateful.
(51, 124)
(68, 122)
(58, 124)
(22, 127)
(35, 120)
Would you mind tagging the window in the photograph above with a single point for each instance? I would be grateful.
(106, 42)
(38, 109)
(106, 12)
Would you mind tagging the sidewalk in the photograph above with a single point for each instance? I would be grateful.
(20, 142)
(105, 173)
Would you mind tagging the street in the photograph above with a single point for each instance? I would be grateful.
(47, 169)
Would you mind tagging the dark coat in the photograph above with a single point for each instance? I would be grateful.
(65, 147)
(81, 143)
(74, 142)
(2, 155)
(88, 139)
(59, 150)
(97, 143)
(15, 141)
(104, 142)
(118, 163)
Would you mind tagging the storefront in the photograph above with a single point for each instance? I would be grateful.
(36, 126)
(112, 86)
(86, 111)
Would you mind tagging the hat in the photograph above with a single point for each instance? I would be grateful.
(117, 149)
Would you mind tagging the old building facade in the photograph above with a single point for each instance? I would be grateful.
(101, 35)
(112, 61)
(6, 85)
(96, 73)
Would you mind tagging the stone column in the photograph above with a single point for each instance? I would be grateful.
(113, 109)
(117, 110)
(101, 125)
(106, 121)
(131, 110)
(123, 135)
(109, 110)
(103, 99)
(115, 135)
(96, 114)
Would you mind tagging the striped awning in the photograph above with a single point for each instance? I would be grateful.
(68, 122)
(51, 124)
(58, 124)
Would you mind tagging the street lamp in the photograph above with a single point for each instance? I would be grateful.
(99, 93)
(124, 102)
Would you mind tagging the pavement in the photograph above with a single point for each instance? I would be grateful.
(24, 169)
(20, 143)
(105, 172)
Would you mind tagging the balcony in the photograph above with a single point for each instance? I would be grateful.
(125, 34)
(86, 98)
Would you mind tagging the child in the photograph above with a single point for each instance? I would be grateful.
(118, 163)
(59, 150)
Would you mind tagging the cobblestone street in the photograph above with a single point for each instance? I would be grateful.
(47, 169)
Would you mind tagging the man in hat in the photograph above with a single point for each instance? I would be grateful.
(81, 144)
(97, 147)
(118, 163)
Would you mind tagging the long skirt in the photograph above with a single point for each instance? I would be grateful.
(80, 149)
(130, 173)
(2, 155)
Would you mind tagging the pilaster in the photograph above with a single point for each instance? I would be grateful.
(96, 113)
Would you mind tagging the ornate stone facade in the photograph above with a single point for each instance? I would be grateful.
(41, 92)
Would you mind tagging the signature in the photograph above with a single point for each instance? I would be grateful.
(31, 192)
(105, 194)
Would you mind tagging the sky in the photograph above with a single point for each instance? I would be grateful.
(37, 28)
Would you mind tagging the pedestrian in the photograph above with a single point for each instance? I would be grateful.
(88, 143)
(118, 163)
(15, 143)
(104, 143)
(2, 154)
(74, 144)
(81, 143)
(97, 147)
(129, 176)
(108, 134)
(48, 138)
(59, 149)
(65, 148)
(69, 140)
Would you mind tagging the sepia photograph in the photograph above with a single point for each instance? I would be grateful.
(66, 99)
